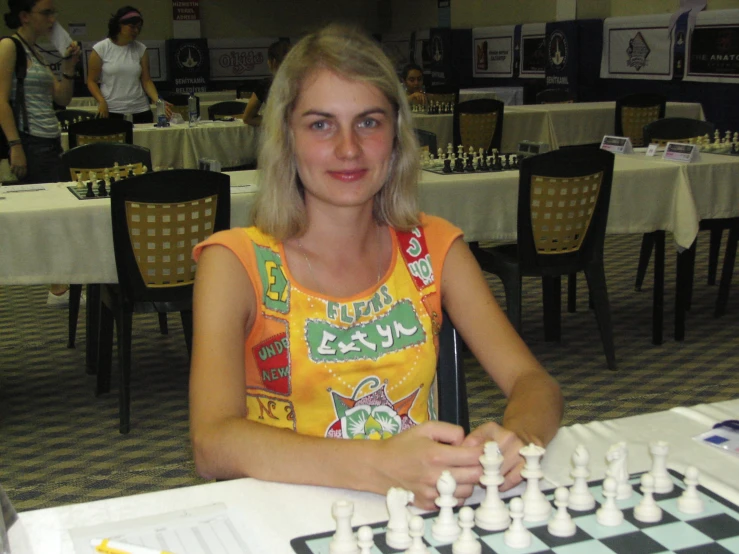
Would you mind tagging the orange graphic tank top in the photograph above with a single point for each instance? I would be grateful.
(361, 367)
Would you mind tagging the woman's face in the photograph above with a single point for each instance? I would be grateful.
(130, 29)
(42, 17)
(343, 133)
(413, 81)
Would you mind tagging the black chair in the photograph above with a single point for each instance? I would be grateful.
(173, 210)
(100, 130)
(479, 124)
(635, 111)
(554, 96)
(426, 139)
(450, 379)
(67, 117)
(563, 201)
(227, 109)
(179, 103)
(729, 260)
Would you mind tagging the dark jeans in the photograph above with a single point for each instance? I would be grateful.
(141, 117)
(43, 159)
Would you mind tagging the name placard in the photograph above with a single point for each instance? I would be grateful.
(617, 145)
(681, 152)
(651, 149)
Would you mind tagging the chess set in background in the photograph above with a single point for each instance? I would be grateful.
(466, 162)
(95, 183)
(433, 108)
(727, 145)
(658, 511)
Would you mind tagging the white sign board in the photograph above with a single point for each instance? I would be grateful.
(239, 58)
(638, 47)
(492, 51)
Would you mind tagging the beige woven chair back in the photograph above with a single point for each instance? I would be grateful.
(561, 211)
(440, 98)
(83, 173)
(163, 236)
(477, 129)
(633, 120)
(90, 139)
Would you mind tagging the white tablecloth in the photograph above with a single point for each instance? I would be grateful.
(217, 96)
(268, 515)
(510, 96)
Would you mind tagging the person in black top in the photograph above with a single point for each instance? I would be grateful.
(275, 54)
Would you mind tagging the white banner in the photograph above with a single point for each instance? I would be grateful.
(639, 47)
(154, 48)
(492, 51)
(533, 53)
(239, 58)
(712, 52)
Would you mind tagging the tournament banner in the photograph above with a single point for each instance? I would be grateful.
(185, 10)
(638, 47)
(713, 48)
(533, 50)
(155, 50)
(189, 64)
(397, 46)
(492, 51)
(238, 58)
(562, 56)
(438, 57)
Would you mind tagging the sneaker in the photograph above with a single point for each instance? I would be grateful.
(58, 301)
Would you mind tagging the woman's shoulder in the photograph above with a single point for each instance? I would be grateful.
(438, 226)
(102, 46)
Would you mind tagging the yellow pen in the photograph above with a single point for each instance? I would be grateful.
(107, 546)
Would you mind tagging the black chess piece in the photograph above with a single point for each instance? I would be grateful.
(90, 191)
(102, 191)
(459, 165)
(447, 165)
(479, 163)
(498, 163)
(468, 165)
(484, 164)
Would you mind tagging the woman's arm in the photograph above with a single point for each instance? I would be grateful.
(251, 112)
(94, 69)
(535, 404)
(226, 444)
(149, 88)
(18, 164)
(64, 89)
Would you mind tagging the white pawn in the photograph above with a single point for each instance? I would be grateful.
(467, 543)
(609, 514)
(647, 510)
(365, 539)
(343, 541)
(561, 525)
(662, 482)
(492, 515)
(417, 528)
(445, 528)
(517, 536)
(690, 501)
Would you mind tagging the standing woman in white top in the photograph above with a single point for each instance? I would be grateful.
(118, 70)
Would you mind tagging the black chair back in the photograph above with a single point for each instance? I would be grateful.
(479, 124)
(100, 130)
(104, 155)
(227, 108)
(634, 111)
(554, 96)
(427, 139)
(67, 117)
(450, 380)
(677, 129)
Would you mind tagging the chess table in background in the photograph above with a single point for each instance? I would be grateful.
(713, 531)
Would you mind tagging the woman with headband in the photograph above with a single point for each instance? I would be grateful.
(118, 70)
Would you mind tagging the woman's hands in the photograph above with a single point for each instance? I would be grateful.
(509, 444)
(103, 109)
(18, 162)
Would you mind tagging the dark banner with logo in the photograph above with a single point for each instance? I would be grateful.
(714, 51)
(562, 64)
(189, 64)
(438, 56)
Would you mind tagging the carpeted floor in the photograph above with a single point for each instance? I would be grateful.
(59, 444)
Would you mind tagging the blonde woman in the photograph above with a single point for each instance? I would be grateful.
(318, 323)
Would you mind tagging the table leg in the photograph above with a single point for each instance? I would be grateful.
(658, 303)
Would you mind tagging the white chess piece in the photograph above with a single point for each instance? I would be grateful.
(609, 513)
(536, 507)
(397, 526)
(492, 515)
(647, 510)
(445, 527)
(343, 541)
(365, 539)
(618, 459)
(467, 543)
(690, 502)
(561, 525)
(417, 528)
(662, 482)
(517, 536)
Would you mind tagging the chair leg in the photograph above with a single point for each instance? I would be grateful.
(597, 284)
(683, 288)
(124, 323)
(104, 351)
(713, 252)
(186, 317)
(75, 294)
(92, 328)
(729, 260)
(572, 293)
(163, 327)
(658, 301)
(552, 300)
(647, 243)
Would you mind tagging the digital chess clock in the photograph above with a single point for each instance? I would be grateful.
(531, 148)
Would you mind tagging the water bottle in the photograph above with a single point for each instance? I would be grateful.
(192, 109)
(161, 114)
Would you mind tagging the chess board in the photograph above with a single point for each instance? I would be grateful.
(440, 171)
(81, 194)
(714, 531)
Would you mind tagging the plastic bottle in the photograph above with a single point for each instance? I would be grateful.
(192, 109)
(161, 114)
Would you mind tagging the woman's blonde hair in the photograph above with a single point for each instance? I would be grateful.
(279, 208)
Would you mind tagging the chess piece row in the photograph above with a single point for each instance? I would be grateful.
(433, 108)
(116, 173)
